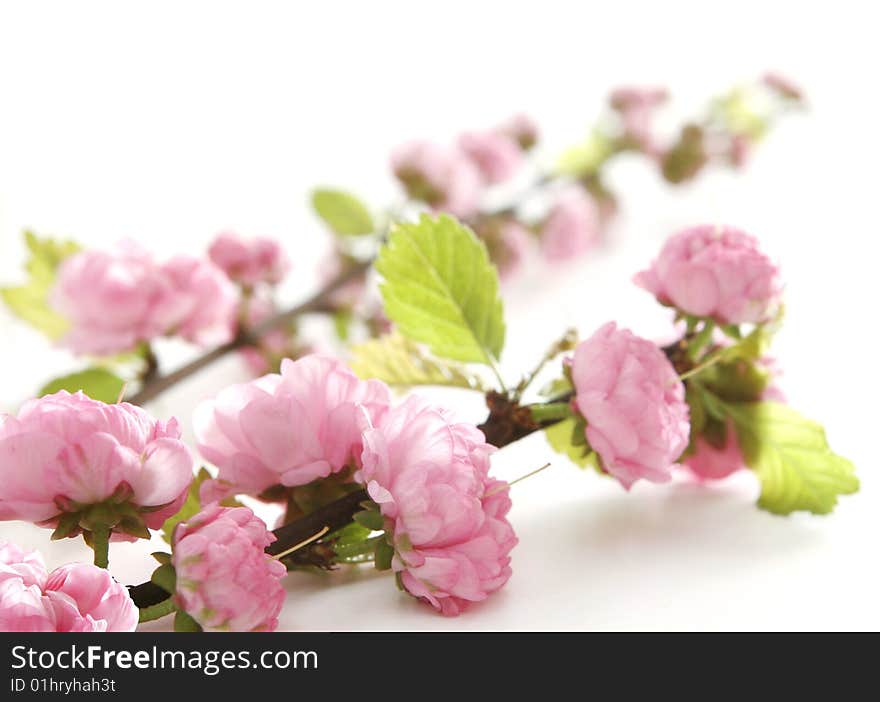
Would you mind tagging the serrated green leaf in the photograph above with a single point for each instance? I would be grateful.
(441, 289)
(790, 454)
(398, 361)
(566, 437)
(98, 383)
(343, 212)
(30, 301)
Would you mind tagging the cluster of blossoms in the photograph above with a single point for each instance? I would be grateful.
(456, 178)
(78, 597)
(116, 300)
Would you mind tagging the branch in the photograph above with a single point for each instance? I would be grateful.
(317, 303)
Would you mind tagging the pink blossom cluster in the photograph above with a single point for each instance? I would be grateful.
(445, 517)
(66, 453)
(249, 261)
(115, 300)
(636, 107)
(454, 178)
(73, 598)
(225, 579)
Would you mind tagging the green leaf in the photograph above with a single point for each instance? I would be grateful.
(370, 519)
(189, 508)
(441, 289)
(98, 383)
(184, 622)
(567, 437)
(342, 212)
(165, 577)
(396, 360)
(586, 158)
(384, 555)
(30, 301)
(790, 454)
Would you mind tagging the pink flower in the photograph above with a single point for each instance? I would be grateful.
(290, 428)
(715, 271)
(444, 515)
(205, 302)
(633, 401)
(496, 156)
(636, 107)
(68, 453)
(783, 86)
(249, 262)
(712, 462)
(113, 300)
(522, 129)
(572, 226)
(225, 580)
(444, 178)
(76, 597)
(273, 344)
(98, 597)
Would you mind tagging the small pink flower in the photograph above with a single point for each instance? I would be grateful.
(715, 271)
(290, 428)
(225, 580)
(522, 129)
(783, 86)
(249, 262)
(572, 226)
(713, 463)
(636, 107)
(445, 516)
(67, 453)
(204, 302)
(113, 299)
(444, 178)
(77, 597)
(633, 401)
(274, 343)
(514, 246)
(496, 156)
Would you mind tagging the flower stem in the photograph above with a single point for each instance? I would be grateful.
(553, 410)
(101, 546)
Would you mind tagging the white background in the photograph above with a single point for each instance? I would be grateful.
(167, 122)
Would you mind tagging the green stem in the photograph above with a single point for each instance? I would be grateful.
(702, 337)
(101, 546)
(497, 373)
(156, 611)
(566, 342)
(546, 412)
(711, 361)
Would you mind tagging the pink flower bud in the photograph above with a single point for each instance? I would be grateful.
(495, 155)
(445, 516)
(225, 580)
(249, 262)
(290, 428)
(77, 597)
(636, 107)
(444, 178)
(715, 271)
(572, 226)
(633, 401)
(68, 452)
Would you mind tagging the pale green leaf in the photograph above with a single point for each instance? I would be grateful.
(98, 383)
(30, 301)
(398, 361)
(342, 212)
(441, 289)
(790, 454)
(567, 437)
